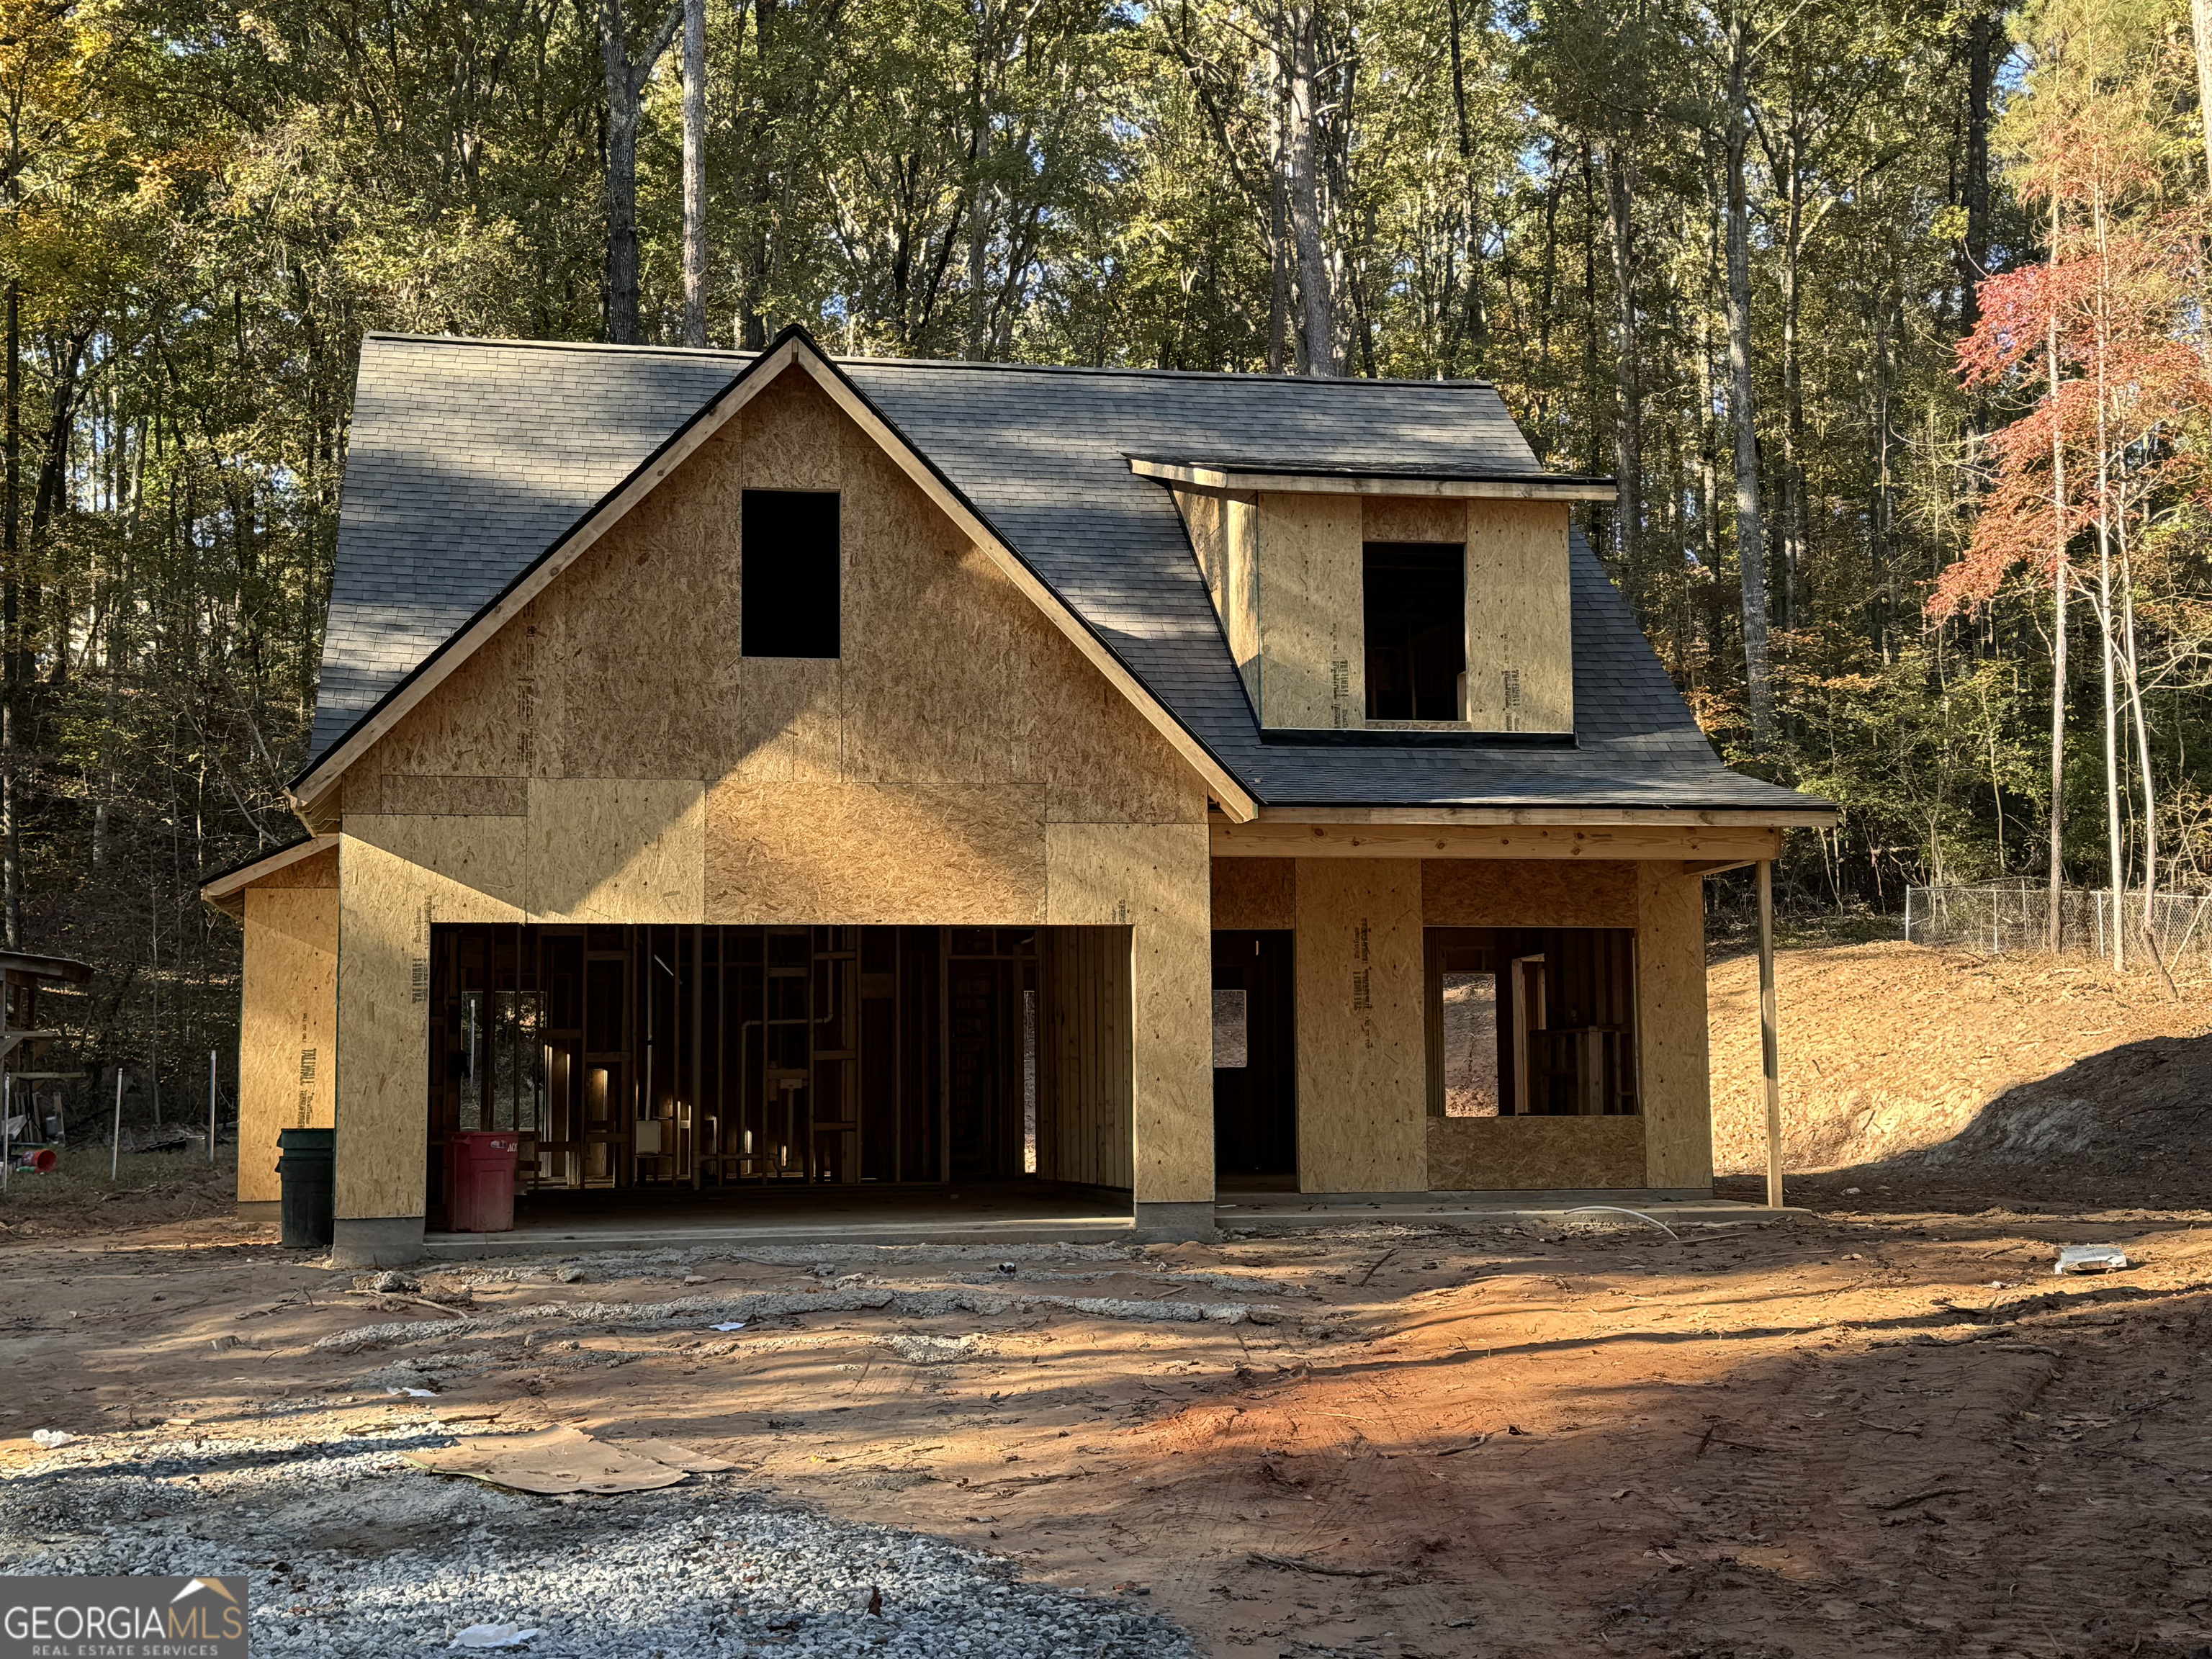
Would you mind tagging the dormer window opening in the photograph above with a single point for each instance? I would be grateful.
(1415, 616)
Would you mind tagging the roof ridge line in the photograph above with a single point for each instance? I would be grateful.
(723, 355)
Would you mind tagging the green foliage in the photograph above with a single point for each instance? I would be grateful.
(208, 205)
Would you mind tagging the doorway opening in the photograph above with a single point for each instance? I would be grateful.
(1255, 1107)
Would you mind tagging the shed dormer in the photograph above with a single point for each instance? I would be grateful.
(1388, 601)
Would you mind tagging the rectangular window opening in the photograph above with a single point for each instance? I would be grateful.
(1231, 1031)
(1415, 614)
(789, 574)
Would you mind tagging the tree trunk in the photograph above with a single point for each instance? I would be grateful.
(695, 172)
(1796, 515)
(2054, 920)
(1278, 219)
(2200, 19)
(1304, 28)
(11, 587)
(1750, 539)
(1628, 392)
(1974, 252)
(624, 82)
(1477, 313)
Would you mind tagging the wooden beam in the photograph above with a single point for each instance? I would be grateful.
(1267, 838)
(1770, 1034)
(1714, 866)
(1822, 816)
(1198, 475)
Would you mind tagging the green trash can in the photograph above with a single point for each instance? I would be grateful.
(306, 1166)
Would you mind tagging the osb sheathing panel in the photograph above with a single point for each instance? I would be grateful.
(790, 721)
(648, 635)
(1101, 762)
(475, 725)
(287, 1020)
(616, 849)
(481, 858)
(1255, 893)
(1153, 879)
(1362, 1048)
(1206, 521)
(626, 668)
(1671, 975)
(389, 896)
(316, 870)
(1412, 519)
(456, 798)
(1532, 893)
(1313, 668)
(1223, 531)
(1083, 1053)
(861, 854)
(1517, 617)
(1475, 1154)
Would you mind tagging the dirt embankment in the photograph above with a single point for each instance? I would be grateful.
(1935, 1069)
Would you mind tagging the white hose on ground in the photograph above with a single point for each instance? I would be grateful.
(1615, 1209)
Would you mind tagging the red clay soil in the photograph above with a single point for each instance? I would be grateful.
(1964, 1078)
(1883, 1429)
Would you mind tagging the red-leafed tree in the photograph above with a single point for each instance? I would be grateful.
(2100, 334)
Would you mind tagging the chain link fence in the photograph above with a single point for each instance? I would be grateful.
(2008, 918)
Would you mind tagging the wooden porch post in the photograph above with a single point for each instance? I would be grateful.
(1769, 1036)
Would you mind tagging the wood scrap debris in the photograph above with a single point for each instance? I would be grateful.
(558, 1460)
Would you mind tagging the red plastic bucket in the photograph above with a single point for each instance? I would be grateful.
(480, 1180)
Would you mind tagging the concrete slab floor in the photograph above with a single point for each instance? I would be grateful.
(1023, 1214)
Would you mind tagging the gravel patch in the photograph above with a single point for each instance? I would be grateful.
(352, 1552)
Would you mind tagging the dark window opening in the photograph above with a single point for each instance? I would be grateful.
(1416, 622)
(789, 573)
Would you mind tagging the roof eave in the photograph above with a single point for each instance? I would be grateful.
(1520, 487)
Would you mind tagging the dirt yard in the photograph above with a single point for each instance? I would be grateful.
(1879, 1434)
(1884, 1427)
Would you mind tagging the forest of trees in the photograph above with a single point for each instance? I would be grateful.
(1889, 315)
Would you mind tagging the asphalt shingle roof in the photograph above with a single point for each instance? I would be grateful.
(468, 458)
